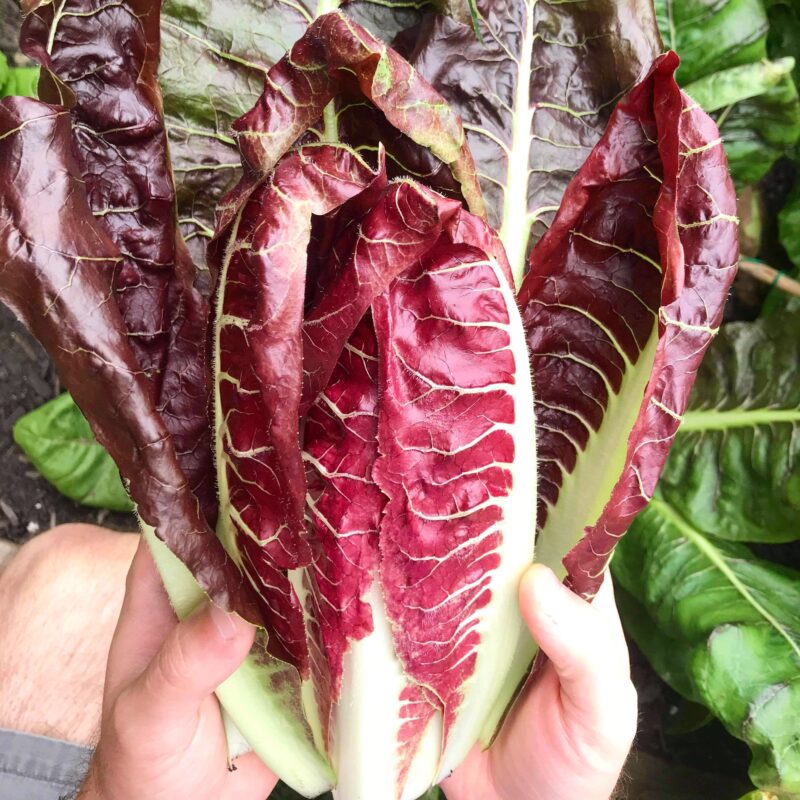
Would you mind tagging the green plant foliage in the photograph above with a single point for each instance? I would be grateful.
(789, 225)
(784, 30)
(725, 66)
(17, 80)
(59, 442)
(728, 86)
(724, 630)
(734, 470)
(718, 624)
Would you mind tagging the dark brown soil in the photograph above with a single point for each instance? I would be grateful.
(28, 503)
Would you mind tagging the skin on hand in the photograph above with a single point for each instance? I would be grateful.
(162, 736)
(570, 731)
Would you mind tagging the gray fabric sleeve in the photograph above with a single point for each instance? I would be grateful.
(39, 768)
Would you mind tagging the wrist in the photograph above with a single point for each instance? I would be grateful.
(89, 788)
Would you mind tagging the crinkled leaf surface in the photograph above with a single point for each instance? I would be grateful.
(105, 55)
(59, 442)
(715, 37)
(258, 375)
(624, 295)
(458, 466)
(731, 623)
(214, 57)
(56, 265)
(333, 52)
(734, 470)
(535, 96)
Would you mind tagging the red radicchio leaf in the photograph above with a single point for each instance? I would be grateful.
(258, 360)
(624, 295)
(454, 412)
(105, 56)
(300, 85)
(56, 264)
(345, 505)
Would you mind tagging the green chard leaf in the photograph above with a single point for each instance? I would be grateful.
(59, 442)
(730, 624)
(734, 470)
(717, 623)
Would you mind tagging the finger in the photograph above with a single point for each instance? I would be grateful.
(197, 656)
(144, 623)
(585, 647)
(251, 779)
(606, 604)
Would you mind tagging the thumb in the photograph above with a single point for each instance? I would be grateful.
(196, 657)
(584, 643)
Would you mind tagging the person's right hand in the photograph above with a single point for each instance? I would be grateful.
(569, 733)
(161, 734)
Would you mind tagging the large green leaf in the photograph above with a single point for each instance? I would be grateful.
(734, 470)
(710, 35)
(758, 131)
(759, 120)
(729, 625)
(59, 442)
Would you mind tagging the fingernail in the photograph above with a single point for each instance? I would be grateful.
(223, 622)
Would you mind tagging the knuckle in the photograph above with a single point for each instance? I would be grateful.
(172, 665)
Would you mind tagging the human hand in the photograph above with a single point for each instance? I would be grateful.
(569, 734)
(161, 733)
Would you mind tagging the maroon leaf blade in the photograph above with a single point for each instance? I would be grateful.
(398, 230)
(625, 293)
(56, 264)
(258, 376)
(332, 52)
(106, 56)
(344, 507)
(534, 95)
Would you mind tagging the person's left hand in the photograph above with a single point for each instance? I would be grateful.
(161, 735)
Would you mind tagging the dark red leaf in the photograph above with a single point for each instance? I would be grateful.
(56, 265)
(106, 56)
(624, 295)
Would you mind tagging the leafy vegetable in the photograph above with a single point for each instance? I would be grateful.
(732, 639)
(119, 138)
(58, 284)
(59, 442)
(734, 470)
(614, 327)
(717, 623)
(372, 414)
(535, 95)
